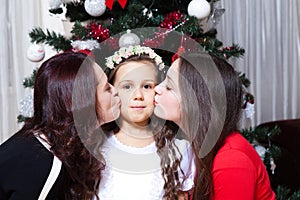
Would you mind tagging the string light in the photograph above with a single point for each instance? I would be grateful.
(169, 31)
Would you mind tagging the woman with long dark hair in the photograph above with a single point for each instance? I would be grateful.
(56, 153)
(202, 94)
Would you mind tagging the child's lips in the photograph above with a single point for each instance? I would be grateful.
(138, 107)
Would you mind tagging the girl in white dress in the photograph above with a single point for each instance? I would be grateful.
(139, 159)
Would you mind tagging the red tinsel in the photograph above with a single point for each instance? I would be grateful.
(156, 41)
(172, 19)
(98, 32)
(112, 43)
(150, 43)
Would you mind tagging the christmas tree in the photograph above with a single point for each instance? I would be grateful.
(109, 23)
(104, 19)
(102, 24)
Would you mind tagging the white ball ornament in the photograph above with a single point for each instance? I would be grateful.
(54, 4)
(261, 151)
(95, 8)
(35, 53)
(199, 8)
(129, 39)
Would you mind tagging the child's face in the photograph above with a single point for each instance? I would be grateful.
(135, 82)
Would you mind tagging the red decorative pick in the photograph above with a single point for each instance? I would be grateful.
(97, 31)
(110, 3)
(180, 50)
(87, 52)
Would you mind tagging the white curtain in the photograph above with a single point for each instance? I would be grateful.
(18, 17)
(269, 31)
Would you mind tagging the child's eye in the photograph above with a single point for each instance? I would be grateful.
(148, 86)
(127, 86)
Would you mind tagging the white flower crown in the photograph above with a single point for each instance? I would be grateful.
(126, 52)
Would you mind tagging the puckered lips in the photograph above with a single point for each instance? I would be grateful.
(155, 99)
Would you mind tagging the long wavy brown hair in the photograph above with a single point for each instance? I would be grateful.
(164, 136)
(202, 79)
(170, 161)
(62, 94)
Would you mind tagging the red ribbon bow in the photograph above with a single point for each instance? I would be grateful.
(110, 3)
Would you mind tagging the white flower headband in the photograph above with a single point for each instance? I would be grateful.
(126, 52)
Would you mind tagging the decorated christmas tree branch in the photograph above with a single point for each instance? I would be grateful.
(260, 133)
(79, 32)
(22, 118)
(260, 137)
(57, 41)
(29, 82)
(246, 82)
(284, 193)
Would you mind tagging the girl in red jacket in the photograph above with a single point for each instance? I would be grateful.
(202, 94)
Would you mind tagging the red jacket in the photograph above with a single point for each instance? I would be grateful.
(239, 173)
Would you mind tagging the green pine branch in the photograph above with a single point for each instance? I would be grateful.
(260, 133)
(29, 82)
(79, 32)
(285, 193)
(56, 11)
(263, 135)
(214, 45)
(130, 18)
(56, 40)
(246, 82)
(233, 51)
(21, 118)
(191, 27)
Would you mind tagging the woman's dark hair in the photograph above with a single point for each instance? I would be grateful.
(65, 113)
(211, 108)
